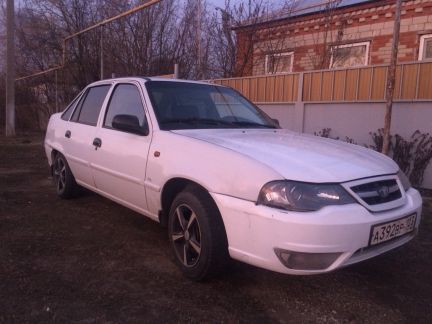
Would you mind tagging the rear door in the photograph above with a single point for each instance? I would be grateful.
(80, 133)
(119, 165)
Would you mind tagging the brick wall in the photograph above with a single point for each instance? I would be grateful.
(309, 37)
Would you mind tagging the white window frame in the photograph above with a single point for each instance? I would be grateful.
(267, 57)
(350, 45)
(422, 44)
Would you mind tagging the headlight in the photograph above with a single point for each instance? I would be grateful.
(404, 180)
(301, 196)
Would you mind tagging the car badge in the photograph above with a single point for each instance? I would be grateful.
(383, 191)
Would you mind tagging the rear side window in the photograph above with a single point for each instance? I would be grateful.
(69, 109)
(125, 100)
(68, 112)
(88, 108)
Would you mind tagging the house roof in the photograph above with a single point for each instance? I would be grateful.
(300, 8)
(304, 7)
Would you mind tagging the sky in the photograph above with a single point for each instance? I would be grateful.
(218, 3)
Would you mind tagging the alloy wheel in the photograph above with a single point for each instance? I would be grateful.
(186, 236)
(60, 174)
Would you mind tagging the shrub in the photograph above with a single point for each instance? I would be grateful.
(412, 155)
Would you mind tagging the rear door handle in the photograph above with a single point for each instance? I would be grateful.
(97, 142)
(68, 134)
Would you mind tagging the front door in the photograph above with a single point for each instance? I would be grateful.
(119, 165)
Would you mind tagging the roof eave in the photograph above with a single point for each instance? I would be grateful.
(300, 16)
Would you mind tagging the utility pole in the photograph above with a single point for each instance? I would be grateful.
(391, 79)
(101, 52)
(199, 18)
(10, 68)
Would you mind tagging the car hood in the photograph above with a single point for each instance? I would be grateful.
(300, 157)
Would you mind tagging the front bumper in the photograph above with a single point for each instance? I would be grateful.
(254, 232)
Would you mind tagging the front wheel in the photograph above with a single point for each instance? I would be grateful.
(197, 234)
(64, 180)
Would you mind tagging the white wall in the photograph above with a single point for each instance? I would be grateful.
(284, 113)
(355, 120)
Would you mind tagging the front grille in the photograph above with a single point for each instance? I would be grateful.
(378, 192)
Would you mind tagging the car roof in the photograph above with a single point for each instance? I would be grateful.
(146, 79)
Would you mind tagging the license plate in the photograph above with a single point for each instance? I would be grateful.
(387, 231)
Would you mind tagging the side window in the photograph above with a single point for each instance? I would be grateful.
(87, 111)
(125, 100)
(77, 110)
(69, 109)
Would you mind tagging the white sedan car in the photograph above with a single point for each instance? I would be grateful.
(227, 181)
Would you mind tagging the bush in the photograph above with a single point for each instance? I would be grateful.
(412, 155)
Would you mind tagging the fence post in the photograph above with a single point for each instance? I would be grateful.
(56, 93)
(176, 71)
(299, 106)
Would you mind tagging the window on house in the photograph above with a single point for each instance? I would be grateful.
(348, 55)
(279, 63)
(425, 52)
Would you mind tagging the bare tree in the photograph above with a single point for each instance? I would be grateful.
(237, 34)
(329, 37)
(230, 60)
(148, 42)
(264, 40)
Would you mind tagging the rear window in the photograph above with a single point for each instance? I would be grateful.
(89, 107)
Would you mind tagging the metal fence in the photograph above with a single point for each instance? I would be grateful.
(413, 83)
(274, 88)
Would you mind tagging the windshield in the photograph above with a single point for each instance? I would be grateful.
(181, 105)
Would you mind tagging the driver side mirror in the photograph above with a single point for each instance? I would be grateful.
(130, 124)
(276, 121)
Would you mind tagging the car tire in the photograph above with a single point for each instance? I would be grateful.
(197, 235)
(64, 180)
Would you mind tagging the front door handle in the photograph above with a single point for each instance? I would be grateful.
(68, 134)
(97, 142)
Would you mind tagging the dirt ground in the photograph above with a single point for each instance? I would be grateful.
(90, 260)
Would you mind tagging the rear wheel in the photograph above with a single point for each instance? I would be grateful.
(197, 234)
(64, 180)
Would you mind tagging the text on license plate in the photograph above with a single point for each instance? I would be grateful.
(387, 231)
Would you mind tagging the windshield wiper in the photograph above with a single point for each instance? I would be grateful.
(207, 121)
(250, 123)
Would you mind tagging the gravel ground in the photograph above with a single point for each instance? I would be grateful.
(91, 260)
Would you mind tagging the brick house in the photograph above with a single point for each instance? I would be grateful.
(326, 35)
